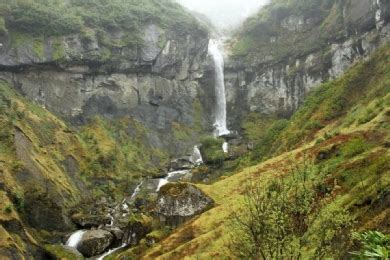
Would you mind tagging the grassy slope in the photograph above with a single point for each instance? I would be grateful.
(360, 170)
(105, 158)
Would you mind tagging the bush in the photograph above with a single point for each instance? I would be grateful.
(44, 19)
(8, 209)
(354, 147)
(211, 150)
(374, 245)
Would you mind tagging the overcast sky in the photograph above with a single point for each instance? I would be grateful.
(224, 13)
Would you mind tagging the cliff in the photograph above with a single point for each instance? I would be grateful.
(278, 56)
(145, 68)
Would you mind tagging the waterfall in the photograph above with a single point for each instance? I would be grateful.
(225, 147)
(136, 191)
(171, 177)
(75, 238)
(196, 157)
(220, 109)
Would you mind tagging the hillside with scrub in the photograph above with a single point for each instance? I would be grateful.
(135, 129)
(317, 191)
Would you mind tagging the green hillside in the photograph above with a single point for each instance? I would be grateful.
(335, 177)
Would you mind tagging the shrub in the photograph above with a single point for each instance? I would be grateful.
(354, 147)
(8, 209)
(374, 245)
(211, 150)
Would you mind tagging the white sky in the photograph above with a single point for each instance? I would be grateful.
(224, 13)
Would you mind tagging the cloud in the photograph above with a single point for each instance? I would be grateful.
(224, 13)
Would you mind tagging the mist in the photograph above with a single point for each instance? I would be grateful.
(224, 14)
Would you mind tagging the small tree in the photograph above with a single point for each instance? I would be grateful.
(283, 220)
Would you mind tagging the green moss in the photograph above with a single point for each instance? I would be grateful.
(211, 150)
(58, 49)
(198, 118)
(354, 147)
(3, 28)
(60, 252)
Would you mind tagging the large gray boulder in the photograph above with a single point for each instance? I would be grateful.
(178, 202)
(94, 242)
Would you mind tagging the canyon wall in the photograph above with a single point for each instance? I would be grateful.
(296, 52)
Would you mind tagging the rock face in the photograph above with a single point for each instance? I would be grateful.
(88, 221)
(178, 202)
(157, 84)
(272, 84)
(94, 242)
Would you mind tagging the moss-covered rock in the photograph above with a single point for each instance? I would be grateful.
(211, 150)
(178, 202)
(63, 252)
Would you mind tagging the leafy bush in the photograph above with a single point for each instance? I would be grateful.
(374, 245)
(44, 18)
(54, 17)
(211, 150)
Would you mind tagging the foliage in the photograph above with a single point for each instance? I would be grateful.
(281, 221)
(211, 150)
(354, 147)
(252, 40)
(262, 148)
(374, 244)
(54, 17)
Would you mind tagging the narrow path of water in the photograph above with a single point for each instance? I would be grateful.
(215, 50)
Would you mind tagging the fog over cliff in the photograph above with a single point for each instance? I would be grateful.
(224, 13)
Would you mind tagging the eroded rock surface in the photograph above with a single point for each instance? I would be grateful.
(178, 202)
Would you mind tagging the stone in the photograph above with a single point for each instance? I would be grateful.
(183, 163)
(89, 221)
(178, 202)
(94, 242)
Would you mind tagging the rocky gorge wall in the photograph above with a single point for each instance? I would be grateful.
(156, 83)
(272, 82)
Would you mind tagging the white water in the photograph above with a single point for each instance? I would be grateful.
(225, 147)
(220, 109)
(196, 156)
(109, 252)
(137, 190)
(169, 177)
(75, 238)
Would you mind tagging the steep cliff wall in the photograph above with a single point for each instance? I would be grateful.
(99, 73)
(278, 56)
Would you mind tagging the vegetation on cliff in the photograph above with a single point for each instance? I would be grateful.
(289, 29)
(57, 18)
(332, 181)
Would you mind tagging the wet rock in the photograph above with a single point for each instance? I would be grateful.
(89, 221)
(63, 252)
(134, 227)
(94, 242)
(183, 163)
(178, 202)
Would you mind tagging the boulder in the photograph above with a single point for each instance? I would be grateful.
(183, 163)
(89, 221)
(94, 242)
(134, 227)
(178, 202)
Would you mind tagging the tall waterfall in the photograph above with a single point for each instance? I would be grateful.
(220, 109)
